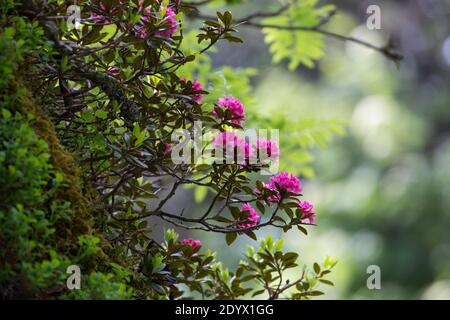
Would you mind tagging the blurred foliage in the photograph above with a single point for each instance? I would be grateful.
(85, 118)
(382, 192)
(298, 47)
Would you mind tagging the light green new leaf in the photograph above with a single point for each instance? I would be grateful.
(299, 47)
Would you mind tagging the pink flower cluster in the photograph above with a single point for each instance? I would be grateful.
(235, 106)
(196, 87)
(102, 18)
(230, 141)
(99, 19)
(252, 219)
(226, 138)
(283, 182)
(267, 148)
(169, 23)
(308, 211)
(286, 182)
(168, 26)
(192, 243)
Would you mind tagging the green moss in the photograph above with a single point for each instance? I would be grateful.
(46, 213)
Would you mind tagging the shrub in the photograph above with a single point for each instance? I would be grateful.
(88, 118)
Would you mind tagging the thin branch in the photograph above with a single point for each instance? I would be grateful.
(262, 14)
(387, 50)
(196, 3)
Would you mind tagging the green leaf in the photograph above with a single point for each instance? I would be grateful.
(290, 256)
(251, 234)
(316, 268)
(260, 207)
(303, 230)
(64, 63)
(298, 46)
(235, 212)
(227, 18)
(200, 194)
(279, 245)
(233, 39)
(222, 219)
(259, 185)
(258, 292)
(230, 237)
(315, 293)
(328, 282)
(102, 114)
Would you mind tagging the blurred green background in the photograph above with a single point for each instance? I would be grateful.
(382, 191)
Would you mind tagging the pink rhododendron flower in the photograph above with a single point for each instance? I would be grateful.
(286, 182)
(308, 211)
(192, 243)
(101, 18)
(168, 148)
(235, 106)
(252, 219)
(141, 31)
(230, 141)
(146, 14)
(196, 86)
(267, 148)
(248, 150)
(113, 70)
(226, 138)
(283, 182)
(169, 20)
